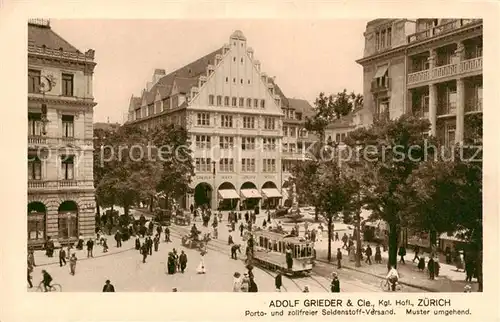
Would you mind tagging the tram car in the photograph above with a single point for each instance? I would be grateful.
(270, 248)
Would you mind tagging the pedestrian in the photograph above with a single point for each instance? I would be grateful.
(118, 238)
(339, 258)
(201, 267)
(144, 251)
(447, 253)
(431, 268)
(237, 282)
(167, 235)
(368, 253)
(183, 261)
(90, 248)
(252, 288)
(191, 208)
(344, 240)
(469, 270)
(230, 238)
(245, 283)
(336, 236)
(31, 257)
(247, 216)
(416, 257)
(30, 270)
(72, 264)
(402, 254)
(437, 266)
(150, 245)
(241, 229)
(157, 242)
(335, 285)
(62, 257)
(378, 255)
(108, 287)
(171, 263)
(104, 245)
(235, 248)
(421, 264)
(278, 281)
(289, 257)
(137, 243)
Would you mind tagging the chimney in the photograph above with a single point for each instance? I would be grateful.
(250, 52)
(149, 85)
(158, 74)
(108, 119)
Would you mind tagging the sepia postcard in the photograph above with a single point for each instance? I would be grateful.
(301, 152)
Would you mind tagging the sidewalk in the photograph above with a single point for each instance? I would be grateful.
(42, 260)
(449, 279)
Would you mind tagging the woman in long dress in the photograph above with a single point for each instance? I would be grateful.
(237, 282)
(201, 267)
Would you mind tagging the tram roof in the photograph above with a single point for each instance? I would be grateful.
(278, 236)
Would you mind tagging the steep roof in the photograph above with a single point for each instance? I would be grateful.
(344, 121)
(135, 102)
(44, 35)
(191, 70)
(278, 91)
(301, 106)
(185, 84)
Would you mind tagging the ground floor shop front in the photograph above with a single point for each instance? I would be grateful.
(62, 217)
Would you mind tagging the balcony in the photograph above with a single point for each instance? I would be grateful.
(54, 185)
(474, 105)
(383, 86)
(36, 140)
(441, 29)
(447, 110)
(474, 65)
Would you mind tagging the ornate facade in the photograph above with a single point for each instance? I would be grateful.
(60, 138)
(431, 68)
(233, 113)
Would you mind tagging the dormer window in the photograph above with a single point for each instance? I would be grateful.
(241, 60)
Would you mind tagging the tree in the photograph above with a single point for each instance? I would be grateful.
(176, 160)
(101, 140)
(386, 155)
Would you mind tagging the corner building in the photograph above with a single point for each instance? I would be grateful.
(431, 68)
(233, 114)
(61, 198)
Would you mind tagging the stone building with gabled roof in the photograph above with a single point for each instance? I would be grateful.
(234, 114)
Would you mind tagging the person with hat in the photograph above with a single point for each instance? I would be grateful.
(237, 282)
(108, 287)
(335, 285)
(306, 289)
(174, 289)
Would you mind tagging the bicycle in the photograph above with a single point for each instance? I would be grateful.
(52, 288)
(386, 286)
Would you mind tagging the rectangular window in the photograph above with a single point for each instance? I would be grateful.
(242, 102)
(203, 165)
(34, 81)
(138, 114)
(226, 121)
(219, 100)
(247, 143)
(226, 165)
(67, 167)
(203, 119)
(262, 103)
(175, 101)
(226, 142)
(277, 101)
(389, 36)
(249, 102)
(68, 126)
(255, 103)
(67, 84)
(269, 144)
(210, 100)
(268, 165)
(35, 124)
(34, 168)
(298, 116)
(248, 165)
(166, 104)
(203, 141)
(292, 132)
(285, 130)
(248, 122)
(151, 110)
(226, 100)
(233, 101)
(377, 40)
(269, 123)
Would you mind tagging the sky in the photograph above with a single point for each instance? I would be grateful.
(306, 57)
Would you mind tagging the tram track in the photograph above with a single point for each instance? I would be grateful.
(223, 249)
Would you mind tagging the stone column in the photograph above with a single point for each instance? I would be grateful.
(433, 108)
(459, 133)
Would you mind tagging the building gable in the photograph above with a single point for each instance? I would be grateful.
(236, 77)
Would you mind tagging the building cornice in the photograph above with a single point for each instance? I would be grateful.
(61, 100)
(59, 59)
(384, 54)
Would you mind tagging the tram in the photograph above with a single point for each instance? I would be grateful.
(270, 252)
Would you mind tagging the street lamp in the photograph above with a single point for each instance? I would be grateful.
(46, 85)
(214, 188)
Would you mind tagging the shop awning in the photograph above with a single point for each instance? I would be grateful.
(271, 193)
(228, 194)
(381, 71)
(250, 193)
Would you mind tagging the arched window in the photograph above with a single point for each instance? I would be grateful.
(68, 220)
(36, 221)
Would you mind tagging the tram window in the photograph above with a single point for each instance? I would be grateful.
(261, 241)
(275, 246)
(302, 251)
(297, 251)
